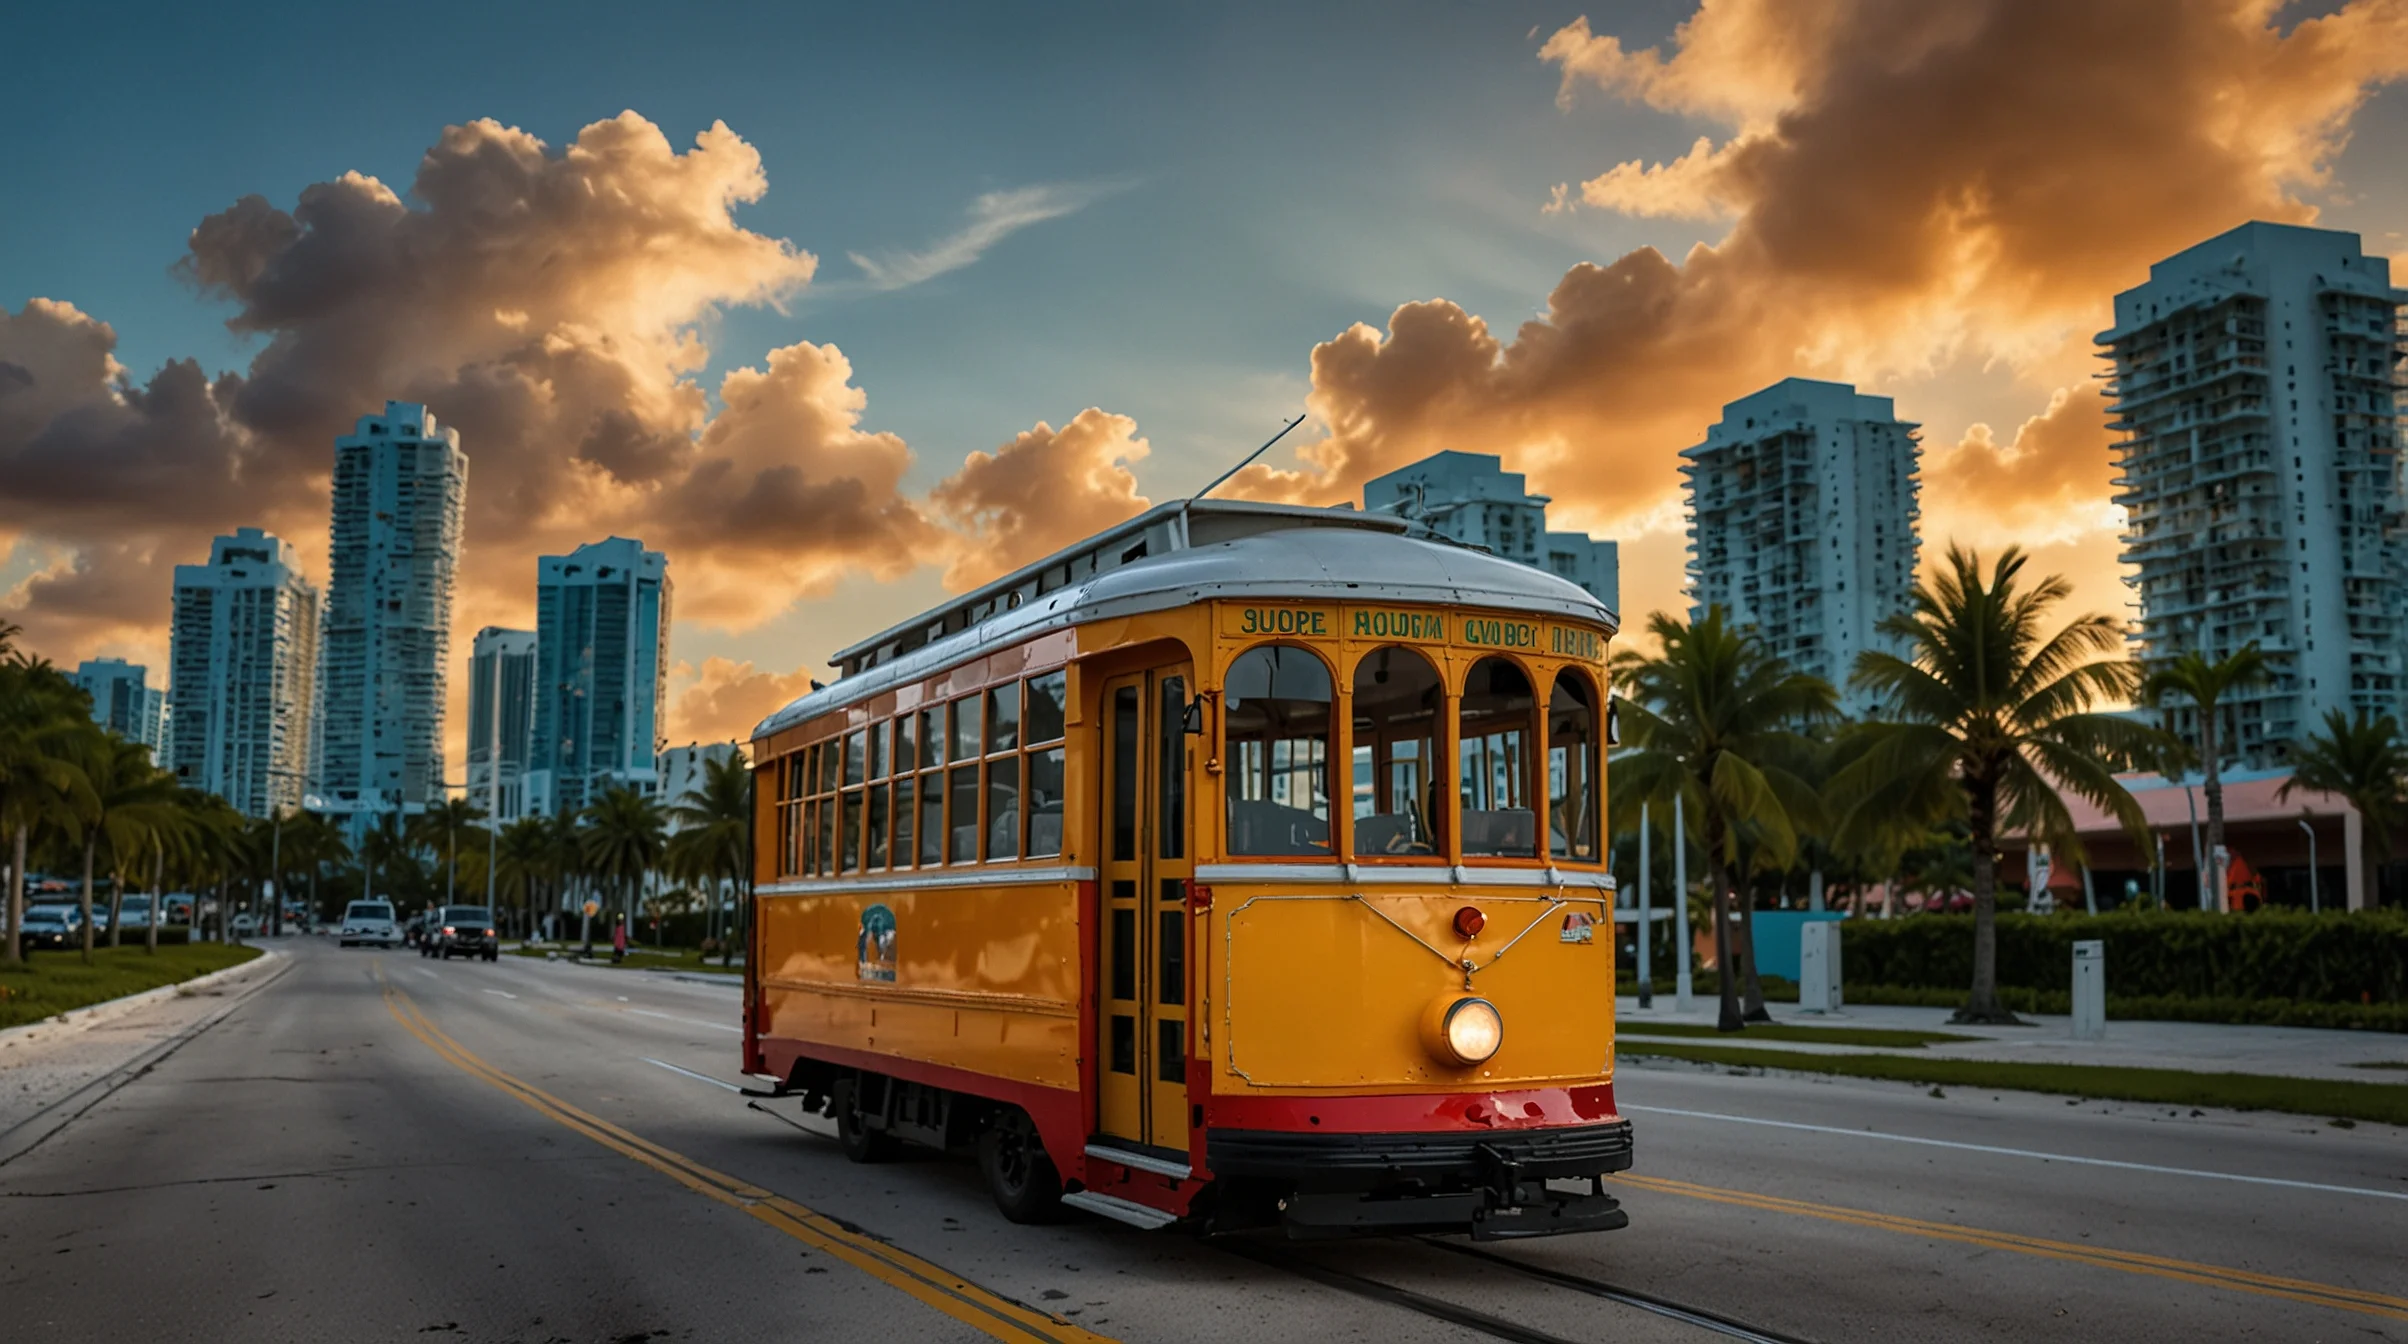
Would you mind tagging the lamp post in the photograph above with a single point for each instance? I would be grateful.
(2315, 903)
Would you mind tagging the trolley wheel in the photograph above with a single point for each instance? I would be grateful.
(861, 1143)
(1022, 1178)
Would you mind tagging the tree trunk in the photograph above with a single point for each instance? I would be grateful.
(1743, 947)
(116, 894)
(16, 899)
(1732, 1018)
(2214, 895)
(158, 910)
(1982, 1006)
(91, 842)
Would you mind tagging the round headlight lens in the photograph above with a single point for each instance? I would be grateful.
(1472, 1030)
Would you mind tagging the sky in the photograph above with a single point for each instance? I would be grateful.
(843, 307)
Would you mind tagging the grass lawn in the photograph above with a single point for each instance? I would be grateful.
(54, 982)
(638, 958)
(1883, 1038)
(2386, 1102)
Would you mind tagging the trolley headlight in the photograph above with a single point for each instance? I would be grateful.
(1463, 1030)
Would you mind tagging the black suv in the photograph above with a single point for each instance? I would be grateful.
(460, 931)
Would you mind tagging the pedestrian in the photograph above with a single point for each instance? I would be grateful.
(618, 939)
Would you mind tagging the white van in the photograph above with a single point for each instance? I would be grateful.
(369, 922)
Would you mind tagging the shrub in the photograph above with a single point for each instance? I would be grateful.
(2359, 959)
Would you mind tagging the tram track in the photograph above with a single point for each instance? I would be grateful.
(1488, 1323)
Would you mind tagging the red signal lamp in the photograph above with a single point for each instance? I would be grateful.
(1469, 921)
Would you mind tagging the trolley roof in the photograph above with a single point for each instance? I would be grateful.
(1189, 551)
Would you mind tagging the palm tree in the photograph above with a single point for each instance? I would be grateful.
(127, 797)
(1989, 714)
(311, 844)
(385, 847)
(2362, 760)
(522, 858)
(713, 845)
(2204, 681)
(624, 834)
(439, 827)
(204, 850)
(565, 864)
(1714, 720)
(42, 715)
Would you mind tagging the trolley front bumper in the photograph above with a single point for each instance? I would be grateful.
(1492, 1184)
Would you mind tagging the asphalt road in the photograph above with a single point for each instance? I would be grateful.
(379, 1147)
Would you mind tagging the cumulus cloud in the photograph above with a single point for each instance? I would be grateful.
(1907, 184)
(2050, 480)
(727, 698)
(994, 216)
(1039, 493)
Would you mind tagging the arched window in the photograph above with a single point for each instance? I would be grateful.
(1574, 773)
(1493, 773)
(1398, 808)
(1275, 711)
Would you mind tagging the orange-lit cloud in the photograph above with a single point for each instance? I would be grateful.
(1039, 493)
(1906, 184)
(726, 699)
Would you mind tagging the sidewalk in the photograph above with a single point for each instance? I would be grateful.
(2195, 1047)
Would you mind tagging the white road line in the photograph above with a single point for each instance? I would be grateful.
(698, 1077)
(503, 992)
(2021, 1152)
(427, 973)
(689, 1021)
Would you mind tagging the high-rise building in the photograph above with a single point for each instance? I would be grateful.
(1802, 523)
(400, 481)
(1471, 498)
(243, 647)
(601, 670)
(2255, 387)
(501, 720)
(124, 702)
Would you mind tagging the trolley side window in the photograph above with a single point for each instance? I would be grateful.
(1043, 723)
(1494, 770)
(962, 783)
(1574, 775)
(1399, 791)
(1277, 704)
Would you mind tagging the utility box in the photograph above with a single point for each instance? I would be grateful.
(2090, 990)
(1818, 966)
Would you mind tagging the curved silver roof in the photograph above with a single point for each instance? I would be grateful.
(1324, 564)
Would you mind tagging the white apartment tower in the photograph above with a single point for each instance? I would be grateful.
(501, 720)
(1802, 523)
(124, 702)
(601, 671)
(400, 482)
(1471, 498)
(2255, 381)
(243, 645)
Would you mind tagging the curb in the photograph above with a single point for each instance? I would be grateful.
(78, 1019)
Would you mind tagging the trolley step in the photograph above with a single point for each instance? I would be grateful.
(1120, 1210)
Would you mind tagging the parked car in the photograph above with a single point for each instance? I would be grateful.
(134, 913)
(461, 931)
(245, 924)
(48, 926)
(368, 922)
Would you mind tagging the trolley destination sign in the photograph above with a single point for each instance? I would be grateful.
(1409, 625)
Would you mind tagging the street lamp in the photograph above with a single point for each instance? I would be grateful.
(2315, 904)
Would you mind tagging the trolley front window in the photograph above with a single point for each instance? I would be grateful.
(1399, 793)
(1493, 772)
(1277, 710)
(1573, 771)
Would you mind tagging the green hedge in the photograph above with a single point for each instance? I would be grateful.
(2357, 959)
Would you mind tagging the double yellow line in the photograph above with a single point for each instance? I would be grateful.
(2131, 1262)
(931, 1283)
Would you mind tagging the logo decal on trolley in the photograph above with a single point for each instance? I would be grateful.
(874, 950)
(1580, 927)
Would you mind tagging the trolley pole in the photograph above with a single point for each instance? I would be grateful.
(1680, 908)
(1646, 920)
